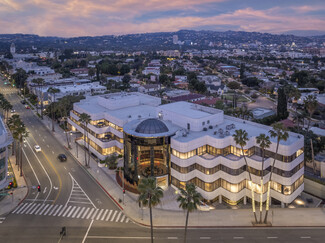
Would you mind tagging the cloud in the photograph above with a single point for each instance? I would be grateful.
(100, 17)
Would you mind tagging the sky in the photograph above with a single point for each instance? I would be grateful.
(69, 18)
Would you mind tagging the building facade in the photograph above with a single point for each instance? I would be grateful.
(5, 141)
(183, 142)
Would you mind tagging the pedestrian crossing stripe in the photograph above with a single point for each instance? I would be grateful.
(76, 212)
(1, 220)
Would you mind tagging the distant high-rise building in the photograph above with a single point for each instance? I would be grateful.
(175, 39)
(12, 48)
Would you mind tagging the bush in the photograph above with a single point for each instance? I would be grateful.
(205, 129)
(210, 127)
(254, 96)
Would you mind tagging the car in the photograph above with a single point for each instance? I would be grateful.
(23, 102)
(37, 148)
(62, 157)
(13, 111)
(27, 107)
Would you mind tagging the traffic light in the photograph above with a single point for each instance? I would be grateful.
(11, 184)
(39, 188)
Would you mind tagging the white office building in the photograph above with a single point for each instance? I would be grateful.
(183, 142)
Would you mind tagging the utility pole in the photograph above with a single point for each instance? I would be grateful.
(123, 185)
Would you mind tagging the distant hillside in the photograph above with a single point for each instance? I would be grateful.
(305, 32)
(148, 41)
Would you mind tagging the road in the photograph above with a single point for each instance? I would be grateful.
(71, 198)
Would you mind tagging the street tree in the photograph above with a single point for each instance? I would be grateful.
(241, 137)
(150, 195)
(53, 91)
(188, 200)
(279, 132)
(264, 142)
(85, 120)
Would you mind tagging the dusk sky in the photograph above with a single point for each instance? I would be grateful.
(69, 18)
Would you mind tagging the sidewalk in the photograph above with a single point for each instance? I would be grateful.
(9, 202)
(167, 215)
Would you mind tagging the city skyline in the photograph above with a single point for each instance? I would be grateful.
(83, 18)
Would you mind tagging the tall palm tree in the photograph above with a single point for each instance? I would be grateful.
(63, 104)
(310, 104)
(13, 123)
(39, 82)
(53, 91)
(264, 142)
(150, 195)
(188, 200)
(280, 133)
(7, 107)
(85, 120)
(241, 137)
(19, 132)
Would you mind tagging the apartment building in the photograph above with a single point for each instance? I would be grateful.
(5, 140)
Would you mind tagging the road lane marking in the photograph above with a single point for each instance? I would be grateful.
(51, 209)
(32, 170)
(40, 208)
(84, 215)
(41, 212)
(84, 239)
(110, 212)
(238, 237)
(19, 208)
(47, 145)
(71, 211)
(127, 220)
(272, 237)
(66, 211)
(52, 152)
(56, 210)
(22, 209)
(51, 185)
(118, 216)
(119, 237)
(172, 237)
(81, 211)
(305, 237)
(122, 219)
(113, 216)
(91, 211)
(103, 217)
(100, 212)
(63, 208)
(205, 238)
(93, 217)
(34, 209)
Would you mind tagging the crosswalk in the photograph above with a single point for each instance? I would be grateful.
(78, 195)
(2, 219)
(71, 211)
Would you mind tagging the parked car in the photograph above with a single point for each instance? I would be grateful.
(13, 111)
(62, 157)
(37, 148)
(27, 107)
(23, 102)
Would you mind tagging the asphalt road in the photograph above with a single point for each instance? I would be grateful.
(71, 198)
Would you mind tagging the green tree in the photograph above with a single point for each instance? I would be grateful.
(280, 133)
(282, 111)
(39, 83)
(219, 105)
(150, 195)
(233, 85)
(126, 81)
(310, 104)
(264, 142)
(164, 80)
(242, 71)
(19, 78)
(241, 137)
(85, 120)
(111, 161)
(188, 200)
(53, 91)
(125, 69)
(91, 72)
(301, 77)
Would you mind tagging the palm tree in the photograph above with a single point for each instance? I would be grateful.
(19, 133)
(310, 104)
(280, 132)
(241, 137)
(264, 142)
(39, 82)
(188, 200)
(13, 123)
(150, 195)
(53, 91)
(62, 107)
(85, 119)
(7, 107)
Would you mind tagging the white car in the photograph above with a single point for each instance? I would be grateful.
(37, 148)
(13, 111)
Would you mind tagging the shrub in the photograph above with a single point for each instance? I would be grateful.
(205, 129)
